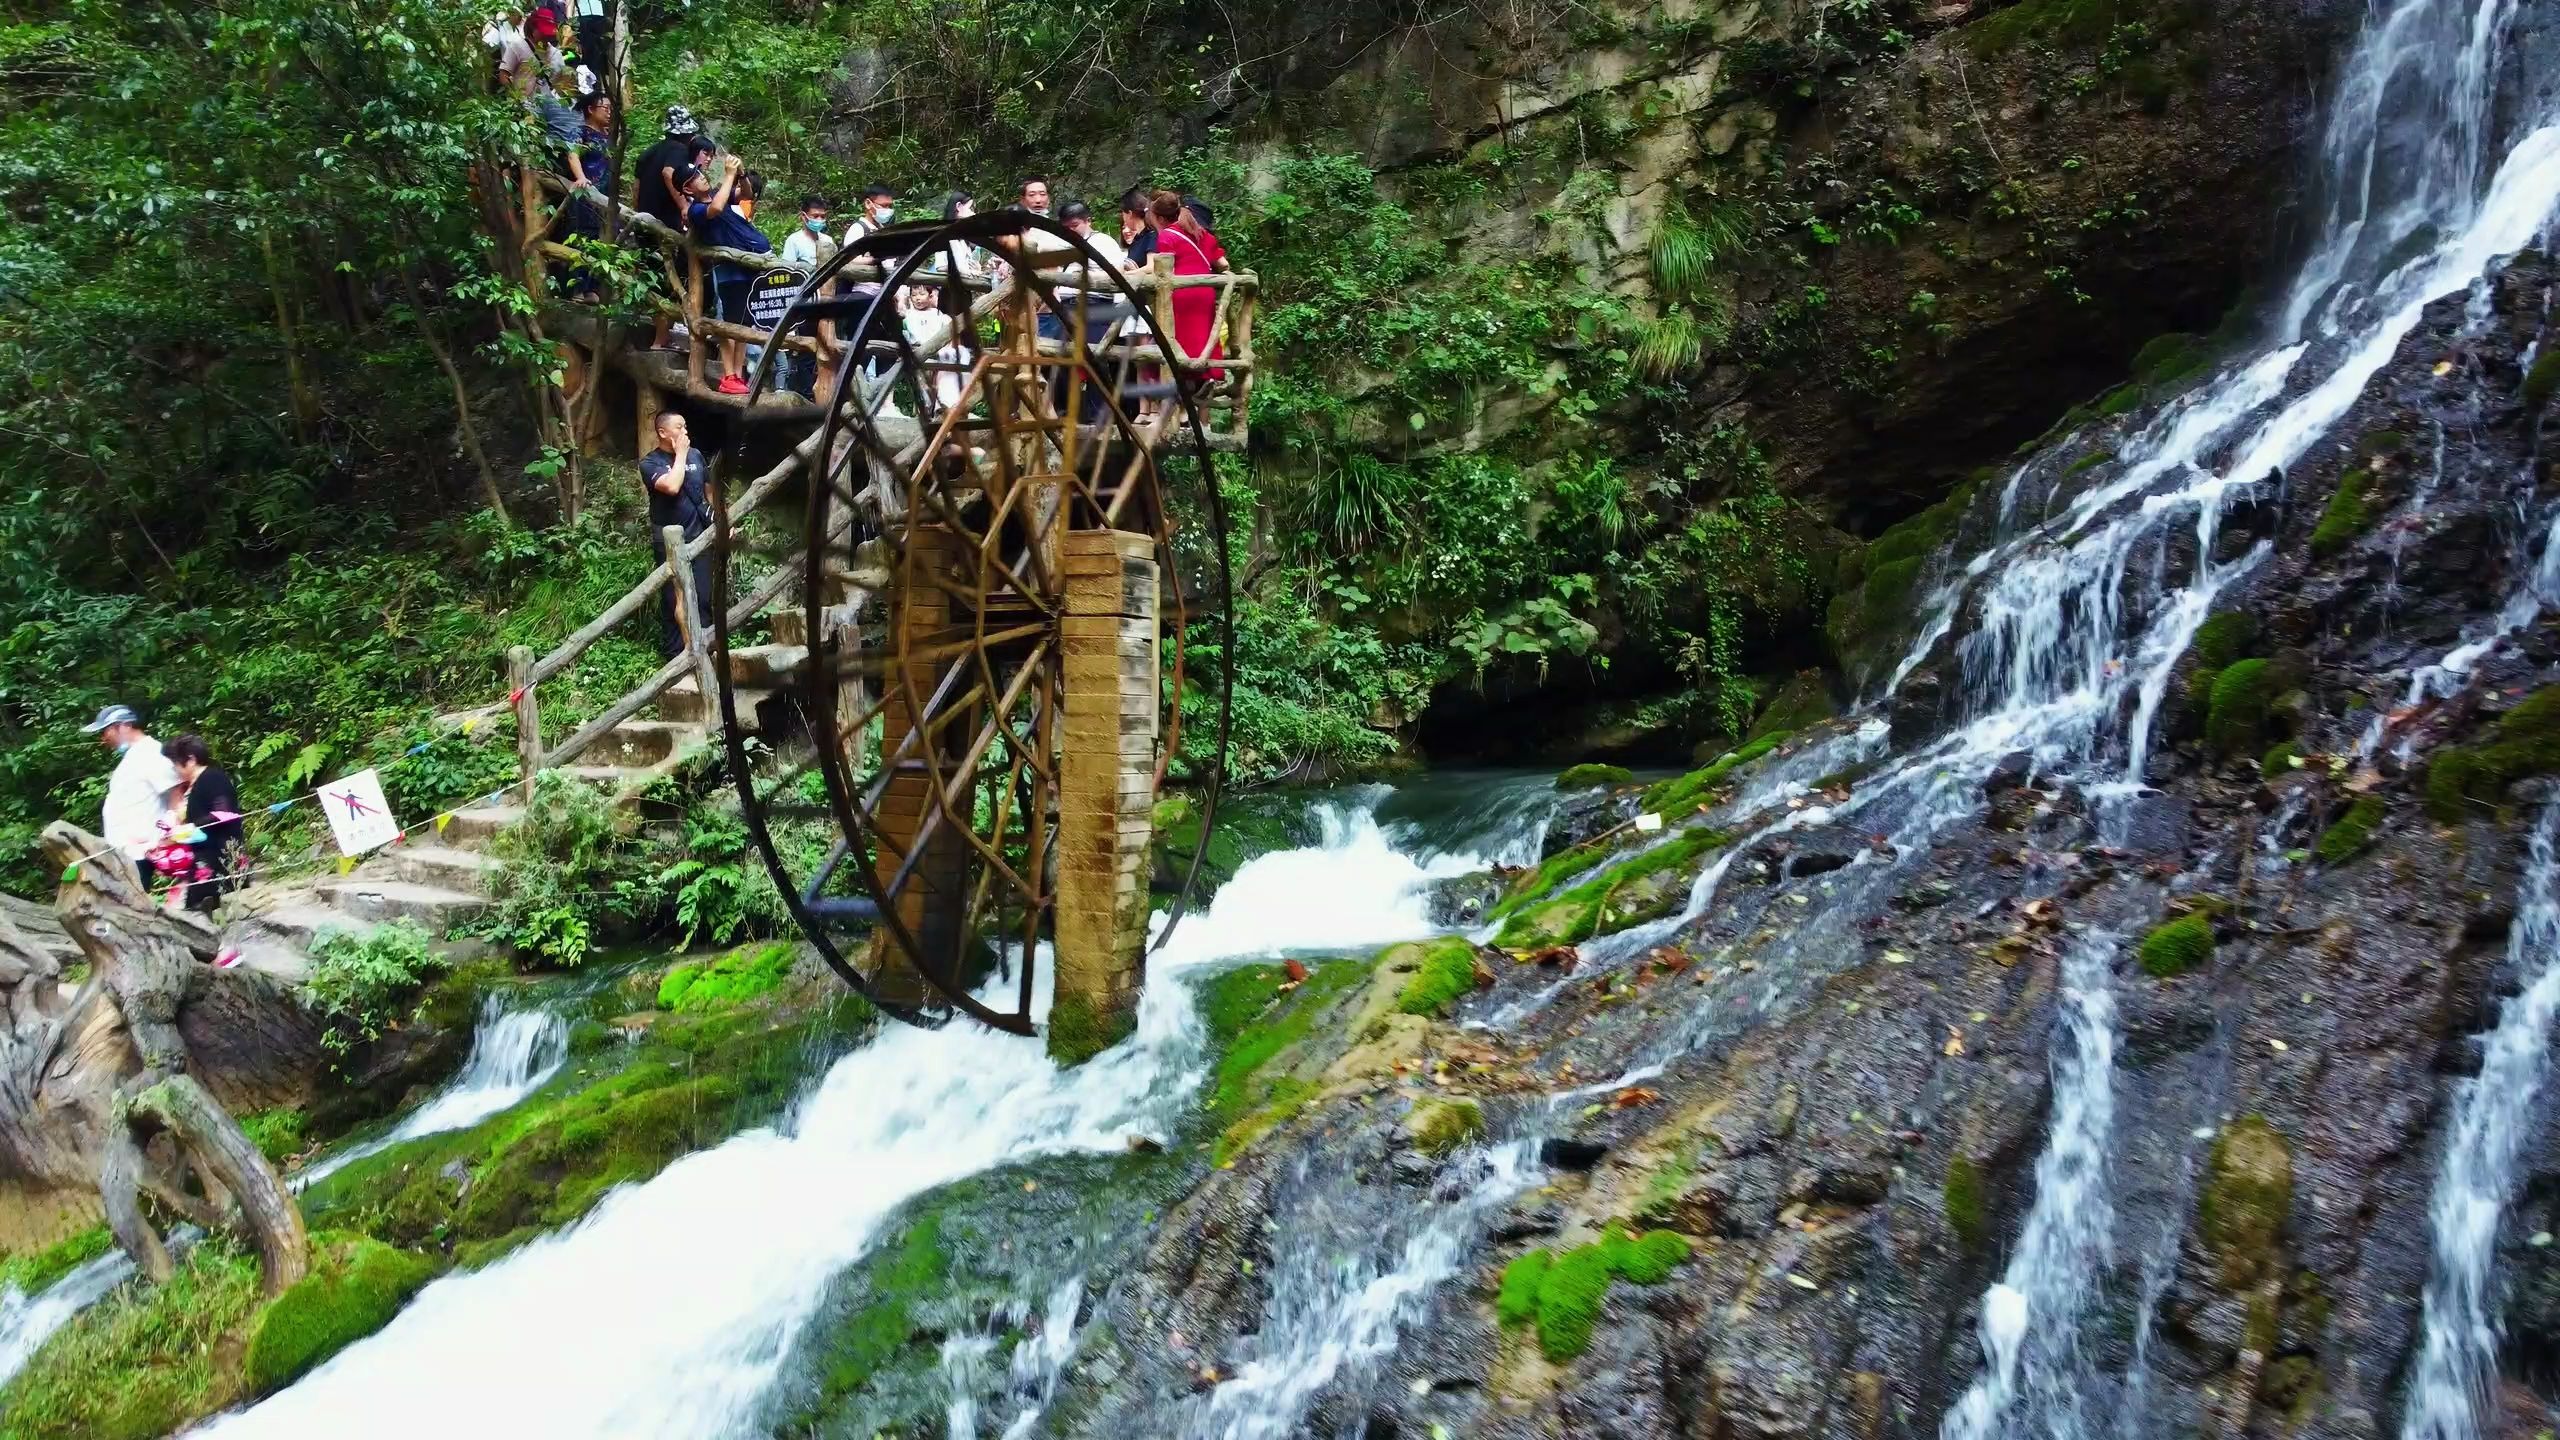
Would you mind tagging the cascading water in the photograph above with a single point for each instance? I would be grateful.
(512, 1053)
(27, 1321)
(671, 1308)
(2493, 1116)
(2032, 1374)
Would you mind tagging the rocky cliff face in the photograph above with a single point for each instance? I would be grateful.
(1843, 1089)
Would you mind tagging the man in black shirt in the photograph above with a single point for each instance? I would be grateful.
(680, 495)
(659, 192)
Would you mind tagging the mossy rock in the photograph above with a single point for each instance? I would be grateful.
(1272, 1045)
(1642, 887)
(1865, 625)
(2223, 638)
(2350, 833)
(2246, 1197)
(1440, 1126)
(746, 973)
(2088, 462)
(143, 1362)
(1960, 1195)
(1516, 1300)
(2179, 946)
(1079, 1030)
(36, 1269)
(1447, 972)
(2350, 513)
(2281, 759)
(2236, 715)
(1594, 777)
(1802, 702)
(2467, 780)
(1677, 797)
(2170, 358)
(355, 1286)
(2542, 382)
(1561, 1293)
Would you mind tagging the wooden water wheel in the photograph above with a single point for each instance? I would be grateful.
(995, 623)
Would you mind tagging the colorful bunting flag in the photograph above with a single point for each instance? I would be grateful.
(443, 820)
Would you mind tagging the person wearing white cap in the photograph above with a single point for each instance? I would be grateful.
(140, 792)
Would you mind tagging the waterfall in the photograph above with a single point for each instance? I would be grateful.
(512, 1053)
(27, 1321)
(671, 1308)
(2032, 1369)
(2493, 1116)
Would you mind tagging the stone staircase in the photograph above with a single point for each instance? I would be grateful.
(440, 880)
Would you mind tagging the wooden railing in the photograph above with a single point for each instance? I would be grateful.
(1224, 403)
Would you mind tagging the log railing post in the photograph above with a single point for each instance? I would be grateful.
(695, 339)
(690, 610)
(528, 715)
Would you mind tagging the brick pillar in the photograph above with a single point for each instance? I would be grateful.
(935, 901)
(1106, 784)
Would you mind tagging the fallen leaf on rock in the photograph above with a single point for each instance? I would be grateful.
(2278, 1046)
(1896, 957)
(1564, 956)
(1297, 970)
(1802, 1283)
(1955, 1042)
(1669, 960)
(1030, 1185)
(2444, 367)
(1633, 1096)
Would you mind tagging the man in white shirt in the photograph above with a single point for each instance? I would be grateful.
(141, 789)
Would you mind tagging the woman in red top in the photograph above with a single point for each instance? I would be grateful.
(1195, 252)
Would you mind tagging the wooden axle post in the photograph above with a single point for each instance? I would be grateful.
(933, 903)
(1106, 786)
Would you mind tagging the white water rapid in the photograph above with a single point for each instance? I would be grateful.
(2032, 1366)
(2493, 1115)
(671, 1308)
(27, 1321)
(512, 1053)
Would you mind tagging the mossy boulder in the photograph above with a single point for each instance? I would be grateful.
(2347, 836)
(2542, 382)
(2223, 638)
(1677, 797)
(1244, 829)
(2246, 1196)
(1275, 1037)
(2179, 946)
(1803, 701)
(355, 1286)
(2242, 695)
(746, 973)
(2468, 780)
(144, 1361)
(2350, 513)
(1960, 1195)
(1447, 972)
(1560, 1293)
(2281, 759)
(1439, 1126)
(1875, 605)
(1642, 887)
(1594, 777)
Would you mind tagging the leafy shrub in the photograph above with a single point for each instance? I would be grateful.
(359, 980)
(561, 870)
(721, 886)
(277, 1133)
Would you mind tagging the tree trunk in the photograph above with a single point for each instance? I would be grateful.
(124, 1090)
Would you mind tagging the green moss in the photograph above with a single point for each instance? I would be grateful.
(1592, 777)
(2223, 638)
(1283, 1101)
(2167, 359)
(1251, 1041)
(2542, 382)
(142, 1362)
(1801, 702)
(1078, 1030)
(1676, 797)
(2178, 946)
(2123, 400)
(733, 979)
(33, 1271)
(2348, 515)
(1440, 1126)
(2090, 461)
(2237, 712)
(1627, 893)
(1864, 623)
(2279, 759)
(1561, 1293)
(1960, 1195)
(2076, 24)
(2347, 837)
(903, 1288)
(1516, 1303)
(1448, 971)
(2463, 781)
(2246, 1196)
(355, 1286)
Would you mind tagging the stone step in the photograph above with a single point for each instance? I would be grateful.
(766, 667)
(684, 703)
(437, 864)
(273, 931)
(376, 901)
(478, 825)
(638, 744)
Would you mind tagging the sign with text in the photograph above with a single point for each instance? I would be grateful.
(770, 294)
(359, 818)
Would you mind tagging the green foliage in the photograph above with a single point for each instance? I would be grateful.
(1447, 972)
(1561, 1293)
(34, 1270)
(362, 980)
(142, 1362)
(741, 975)
(2223, 638)
(563, 869)
(1593, 777)
(2350, 833)
(2179, 946)
(722, 888)
(2465, 780)
(2237, 711)
(355, 1286)
(277, 1133)
(2349, 513)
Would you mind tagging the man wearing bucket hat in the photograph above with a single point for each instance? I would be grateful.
(135, 816)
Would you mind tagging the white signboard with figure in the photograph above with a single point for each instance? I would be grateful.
(359, 817)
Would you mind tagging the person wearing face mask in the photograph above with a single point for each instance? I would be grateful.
(140, 808)
(807, 248)
(879, 207)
